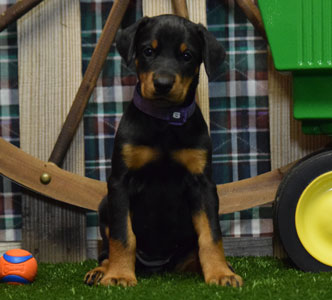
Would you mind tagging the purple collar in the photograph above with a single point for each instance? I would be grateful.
(173, 115)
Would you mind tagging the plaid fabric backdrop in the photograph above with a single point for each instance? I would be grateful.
(10, 196)
(238, 108)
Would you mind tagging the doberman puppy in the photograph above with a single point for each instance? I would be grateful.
(161, 211)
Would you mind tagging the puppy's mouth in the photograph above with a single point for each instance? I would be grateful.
(164, 90)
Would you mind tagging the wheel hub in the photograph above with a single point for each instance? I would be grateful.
(313, 218)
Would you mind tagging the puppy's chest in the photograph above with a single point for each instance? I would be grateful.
(140, 157)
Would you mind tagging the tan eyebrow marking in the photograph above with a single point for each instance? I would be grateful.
(154, 44)
(183, 47)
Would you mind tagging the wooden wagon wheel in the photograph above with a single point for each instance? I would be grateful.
(47, 178)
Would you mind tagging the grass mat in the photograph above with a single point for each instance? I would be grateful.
(265, 278)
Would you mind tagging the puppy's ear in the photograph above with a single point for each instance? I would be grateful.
(213, 53)
(126, 38)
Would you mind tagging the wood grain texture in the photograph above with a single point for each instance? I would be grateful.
(16, 11)
(180, 8)
(65, 186)
(5, 246)
(253, 14)
(87, 85)
(287, 141)
(251, 192)
(87, 193)
(50, 71)
(248, 246)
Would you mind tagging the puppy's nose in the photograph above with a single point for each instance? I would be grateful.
(163, 83)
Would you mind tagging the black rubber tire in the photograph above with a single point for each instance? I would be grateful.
(287, 197)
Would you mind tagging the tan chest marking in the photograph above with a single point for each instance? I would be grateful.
(194, 160)
(135, 157)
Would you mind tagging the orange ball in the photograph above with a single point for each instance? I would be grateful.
(18, 266)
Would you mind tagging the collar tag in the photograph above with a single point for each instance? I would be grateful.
(178, 118)
(176, 115)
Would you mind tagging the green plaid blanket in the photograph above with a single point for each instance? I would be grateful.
(238, 110)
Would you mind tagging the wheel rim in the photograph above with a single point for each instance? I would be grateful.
(313, 218)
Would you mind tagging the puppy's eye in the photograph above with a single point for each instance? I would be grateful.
(187, 56)
(148, 52)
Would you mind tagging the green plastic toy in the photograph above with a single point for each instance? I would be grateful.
(300, 36)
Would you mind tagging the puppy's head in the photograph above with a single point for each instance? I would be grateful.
(168, 51)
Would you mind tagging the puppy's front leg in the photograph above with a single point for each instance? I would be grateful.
(211, 252)
(122, 241)
(119, 268)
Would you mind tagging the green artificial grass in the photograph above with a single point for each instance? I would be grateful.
(265, 278)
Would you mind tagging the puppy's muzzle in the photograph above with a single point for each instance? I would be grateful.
(163, 83)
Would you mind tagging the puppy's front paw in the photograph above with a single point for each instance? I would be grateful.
(125, 280)
(94, 276)
(225, 280)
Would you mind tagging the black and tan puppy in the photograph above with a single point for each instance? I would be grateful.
(161, 211)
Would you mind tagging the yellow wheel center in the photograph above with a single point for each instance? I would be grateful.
(313, 218)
